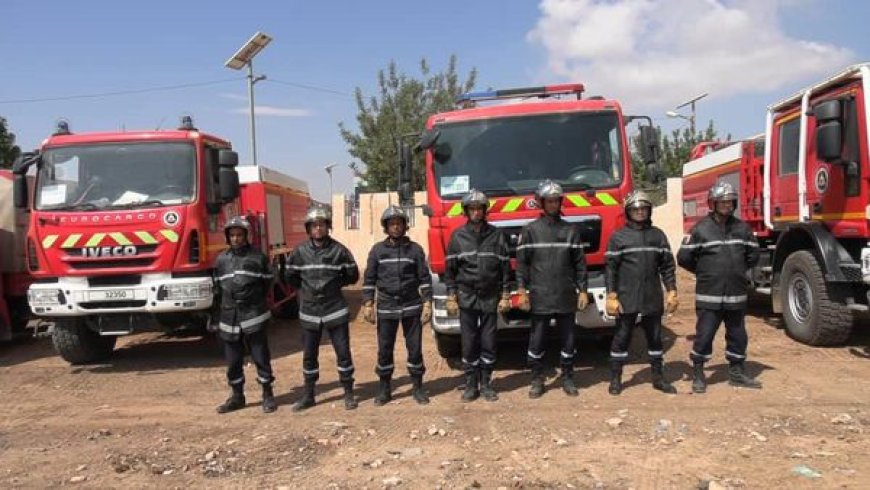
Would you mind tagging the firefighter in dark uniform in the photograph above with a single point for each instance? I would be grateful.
(551, 279)
(639, 261)
(244, 278)
(318, 268)
(720, 250)
(477, 274)
(397, 271)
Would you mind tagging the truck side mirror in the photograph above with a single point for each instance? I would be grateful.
(228, 181)
(829, 141)
(829, 110)
(649, 141)
(228, 158)
(19, 191)
(406, 173)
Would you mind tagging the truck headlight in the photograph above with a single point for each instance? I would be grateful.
(178, 292)
(45, 297)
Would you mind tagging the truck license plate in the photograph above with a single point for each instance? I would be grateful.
(113, 295)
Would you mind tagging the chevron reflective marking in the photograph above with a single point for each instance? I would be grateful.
(455, 210)
(492, 203)
(170, 235)
(512, 205)
(49, 240)
(578, 201)
(606, 199)
(95, 240)
(146, 237)
(71, 240)
(120, 238)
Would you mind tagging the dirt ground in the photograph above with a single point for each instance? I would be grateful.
(148, 420)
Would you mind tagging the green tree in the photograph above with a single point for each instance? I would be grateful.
(8, 150)
(675, 150)
(401, 107)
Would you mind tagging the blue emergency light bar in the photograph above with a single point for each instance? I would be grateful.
(511, 93)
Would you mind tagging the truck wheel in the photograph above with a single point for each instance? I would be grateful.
(448, 345)
(811, 317)
(78, 344)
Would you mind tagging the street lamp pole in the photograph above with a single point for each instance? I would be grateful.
(328, 169)
(245, 57)
(691, 103)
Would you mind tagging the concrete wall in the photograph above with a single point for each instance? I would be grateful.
(668, 217)
(360, 241)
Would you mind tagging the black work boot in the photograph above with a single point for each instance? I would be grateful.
(236, 400)
(699, 382)
(472, 391)
(417, 390)
(349, 401)
(568, 385)
(537, 388)
(486, 388)
(307, 400)
(658, 377)
(737, 377)
(385, 391)
(269, 403)
(615, 387)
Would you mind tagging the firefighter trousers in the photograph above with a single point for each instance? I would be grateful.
(412, 329)
(478, 330)
(625, 324)
(339, 335)
(538, 340)
(234, 352)
(736, 338)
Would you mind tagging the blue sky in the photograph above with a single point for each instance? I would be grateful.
(651, 54)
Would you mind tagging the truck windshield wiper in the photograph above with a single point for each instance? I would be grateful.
(138, 204)
(75, 207)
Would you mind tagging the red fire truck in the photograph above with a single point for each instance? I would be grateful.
(14, 279)
(125, 228)
(505, 150)
(803, 188)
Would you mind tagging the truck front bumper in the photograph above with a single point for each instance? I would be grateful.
(154, 293)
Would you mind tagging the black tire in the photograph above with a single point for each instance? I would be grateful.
(810, 315)
(288, 310)
(449, 346)
(78, 344)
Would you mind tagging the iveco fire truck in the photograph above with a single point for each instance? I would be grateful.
(505, 142)
(126, 226)
(804, 188)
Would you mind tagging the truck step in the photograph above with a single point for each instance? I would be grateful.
(763, 291)
(767, 268)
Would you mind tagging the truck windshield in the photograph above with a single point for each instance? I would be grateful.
(116, 176)
(506, 156)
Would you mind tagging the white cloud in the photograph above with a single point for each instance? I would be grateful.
(272, 111)
(652, 54)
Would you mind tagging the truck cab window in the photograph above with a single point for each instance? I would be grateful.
(789, 139)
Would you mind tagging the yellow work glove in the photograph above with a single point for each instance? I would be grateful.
(368, 311)
(452, 305)
(613, 306)
(504, 304)
(582, 301)
(427, 312)
(525, 304)
(671, 302)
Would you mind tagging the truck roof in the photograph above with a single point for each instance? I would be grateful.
(127, 137)
(524, 107)
(258, 173)
(850, 73)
